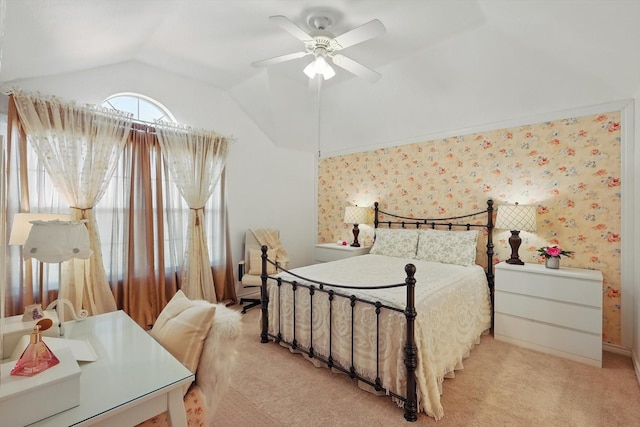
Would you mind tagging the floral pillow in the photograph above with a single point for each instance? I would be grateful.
(448, 247)
(399, 243)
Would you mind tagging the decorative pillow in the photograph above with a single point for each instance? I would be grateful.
(255, 261)
(182, 327)
(399, 243)
(448, 247)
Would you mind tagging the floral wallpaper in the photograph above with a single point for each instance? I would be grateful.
(570, 169)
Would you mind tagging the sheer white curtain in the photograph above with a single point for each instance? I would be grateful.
(196, 159)
(79, 147)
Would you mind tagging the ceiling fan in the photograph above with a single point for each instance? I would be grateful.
(324, 46)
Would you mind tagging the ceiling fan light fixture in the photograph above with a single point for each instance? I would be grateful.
(319, 66)
(325, 47)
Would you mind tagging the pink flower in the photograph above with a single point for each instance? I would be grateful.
(553, 251)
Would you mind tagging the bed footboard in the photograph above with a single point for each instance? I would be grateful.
(332, 293)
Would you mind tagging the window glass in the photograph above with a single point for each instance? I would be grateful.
(143, 108)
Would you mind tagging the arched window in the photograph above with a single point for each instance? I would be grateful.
(142, 107)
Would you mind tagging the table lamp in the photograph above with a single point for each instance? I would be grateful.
(516, 218)
(55, 242)
(355, 215)
(20, 229)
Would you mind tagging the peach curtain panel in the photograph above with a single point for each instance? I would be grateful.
(79, 146)
(196, 159)
(20, 291)
(149, 276)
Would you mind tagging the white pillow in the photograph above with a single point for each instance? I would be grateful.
(255, 261)
(399, 243)
(448, 247)
(182, 327)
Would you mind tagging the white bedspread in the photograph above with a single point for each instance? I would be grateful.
(453, 309)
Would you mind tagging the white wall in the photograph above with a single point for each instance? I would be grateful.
(267, 186)
(634, 335)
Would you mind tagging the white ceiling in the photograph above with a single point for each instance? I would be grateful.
(445, 64)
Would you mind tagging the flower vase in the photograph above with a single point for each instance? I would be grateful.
(552, 262)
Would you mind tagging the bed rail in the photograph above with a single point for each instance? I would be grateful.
(333, 291)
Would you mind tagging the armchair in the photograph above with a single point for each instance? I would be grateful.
(251, 267)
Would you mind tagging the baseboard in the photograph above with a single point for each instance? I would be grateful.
(615, 348)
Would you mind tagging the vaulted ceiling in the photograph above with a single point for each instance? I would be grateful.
(444, 64)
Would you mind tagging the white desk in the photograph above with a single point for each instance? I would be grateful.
(133, 379)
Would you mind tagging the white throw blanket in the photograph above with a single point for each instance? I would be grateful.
(217, 359)
(270, 238)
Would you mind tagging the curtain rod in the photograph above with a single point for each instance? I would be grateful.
(11, 90)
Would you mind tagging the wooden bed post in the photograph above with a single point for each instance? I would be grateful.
(410, 349)
(264, 297)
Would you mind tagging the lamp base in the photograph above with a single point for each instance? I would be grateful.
(59, 304)
(356, 231)
(514, 242)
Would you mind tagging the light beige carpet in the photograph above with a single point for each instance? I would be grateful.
(501, 385)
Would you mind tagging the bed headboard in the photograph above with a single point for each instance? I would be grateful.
(482, 220)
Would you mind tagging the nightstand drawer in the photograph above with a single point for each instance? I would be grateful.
(574, 316)
(326, 252)
(570, 285)
(580, 346)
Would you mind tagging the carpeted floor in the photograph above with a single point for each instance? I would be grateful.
(501, 385)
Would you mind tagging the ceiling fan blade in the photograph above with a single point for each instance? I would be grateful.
(359, 34)
(277, 59)
(356, 68)
(290, 27)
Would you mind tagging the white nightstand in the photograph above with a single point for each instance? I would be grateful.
(326, 252)
(554, 311)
